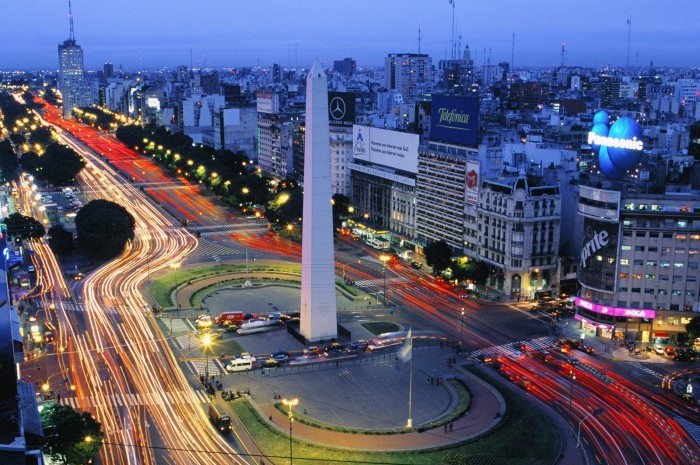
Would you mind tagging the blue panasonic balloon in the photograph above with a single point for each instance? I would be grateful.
(599, 129)
(601, 117)
(606, 166)
(626, 129)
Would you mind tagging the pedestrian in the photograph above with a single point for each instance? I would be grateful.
(336, 364)
(58, 398)
(451, 425)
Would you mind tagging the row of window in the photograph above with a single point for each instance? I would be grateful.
(662, 263)
(667, 223)
(674, 292)
(664, 250)
(662, 277)
(665, 235)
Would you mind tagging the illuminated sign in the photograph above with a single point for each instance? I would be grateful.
(472, 182)
(341, 109)
(454, 119)
(618, 145)
(615, 311)
(394, 149)
(599, 240)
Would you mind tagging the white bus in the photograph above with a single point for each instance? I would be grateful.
(377, 243)
(240, 364)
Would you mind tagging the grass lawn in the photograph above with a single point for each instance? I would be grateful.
(381, 327)
(526, 437)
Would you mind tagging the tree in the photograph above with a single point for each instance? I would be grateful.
(341, 203)
(438, 255)
(8, 160)
(25, 227)
(72, 436)
(693, 328)
(59, 165)
(104, 228)
(61, 241)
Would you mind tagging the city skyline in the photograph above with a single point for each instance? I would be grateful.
(221, 34)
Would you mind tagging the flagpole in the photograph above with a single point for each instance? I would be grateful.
(409, 423)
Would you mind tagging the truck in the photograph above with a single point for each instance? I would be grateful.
(258, 326)
(233, 317)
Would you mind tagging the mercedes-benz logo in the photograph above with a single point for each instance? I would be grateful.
(337, 108)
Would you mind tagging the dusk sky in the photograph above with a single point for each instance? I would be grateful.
(234, 33)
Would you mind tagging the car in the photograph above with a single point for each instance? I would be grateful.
(31, 269)
(280, 356)
(688, 398)
(659, 350)
(247, 356)
(311, 350)
(78, 276)
(586, 349)
(203, 321)
(333, 349)
(358, 346)
(271, 363)
(573, 360)
(416, 265)
(684, 356)
(670, 351)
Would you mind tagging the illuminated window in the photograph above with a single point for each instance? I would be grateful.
(695, 237)
(682, 224)
(651, 263)
(676, 292)
(665, 264)
(650, 276)
(692, 251)
(624, 275)
(626, 247)
(681, 237)
(678, 264)
(680, 250)
(636, 276)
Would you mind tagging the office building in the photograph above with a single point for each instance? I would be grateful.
(71, 82)
(409, 73)
(346, 66)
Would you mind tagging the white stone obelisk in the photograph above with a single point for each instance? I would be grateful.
(318, 301)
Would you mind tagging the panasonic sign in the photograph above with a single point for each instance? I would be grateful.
(631, 144)
(599, 240)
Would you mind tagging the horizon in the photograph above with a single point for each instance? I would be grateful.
(220, 35)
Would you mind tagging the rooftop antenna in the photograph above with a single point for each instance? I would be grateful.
(512, 53)
(629, 37)
(459, 47)
(452, 2)
(71, 35)
(418, 39)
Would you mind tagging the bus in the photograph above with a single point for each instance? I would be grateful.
(379, 244)
(220, 420)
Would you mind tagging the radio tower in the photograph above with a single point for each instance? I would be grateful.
(452, 54)
(629, 37)
(71, 35)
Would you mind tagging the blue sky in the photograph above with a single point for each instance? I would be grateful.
(223, 33)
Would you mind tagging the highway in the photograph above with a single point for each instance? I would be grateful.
(121, 352)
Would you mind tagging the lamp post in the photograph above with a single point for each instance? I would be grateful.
(461, 331)
(384, 259)
(572, 377)
(594, 413)
(290, 403)
(206, 343)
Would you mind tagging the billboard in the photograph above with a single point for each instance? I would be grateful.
(598, 255)
(389, 148)
(472, 183)
(618, 145)
(341, 109)
(454, 120)
(268, 102)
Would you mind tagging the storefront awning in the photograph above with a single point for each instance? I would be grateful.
(660, 334)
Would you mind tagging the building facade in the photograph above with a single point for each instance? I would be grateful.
(71, 81)
(639, 264)
(517, 229)
(409, 73)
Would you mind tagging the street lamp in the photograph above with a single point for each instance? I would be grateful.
(594, 413)
(290, 403)
(572, 377)
(384, 259)
(461, 331)
(206, 342)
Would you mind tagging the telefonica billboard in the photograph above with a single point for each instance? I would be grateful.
(618, 145)
(454, 120)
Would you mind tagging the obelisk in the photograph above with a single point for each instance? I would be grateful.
(318, 302)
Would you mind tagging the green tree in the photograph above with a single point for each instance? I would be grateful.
(341, 203)
(104, 228)
(71, 437)
(25, 227)
(8, 160)
(59, 165)
(692, 328)
(438, 255)
(61, 241)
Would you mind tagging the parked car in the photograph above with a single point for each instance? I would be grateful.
(358, 346)
(659, 350)
(670, 351)
(312, 350)
(334, 348)
(280, 356)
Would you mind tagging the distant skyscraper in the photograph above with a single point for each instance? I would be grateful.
(409, 73)
(70, 71)
(345, 66)
(107, 71)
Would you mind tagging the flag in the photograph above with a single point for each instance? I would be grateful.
(405, 352)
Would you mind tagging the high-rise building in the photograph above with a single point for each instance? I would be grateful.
(70, 72)
(409, 73)
(345, 66)
(107, 71)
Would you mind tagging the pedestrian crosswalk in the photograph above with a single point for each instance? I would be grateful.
(199, 367)
(216, 250)
(647, 370)
(197, 396)
(511, 349)
(79, 307)
(380, 281)
(693, 429)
